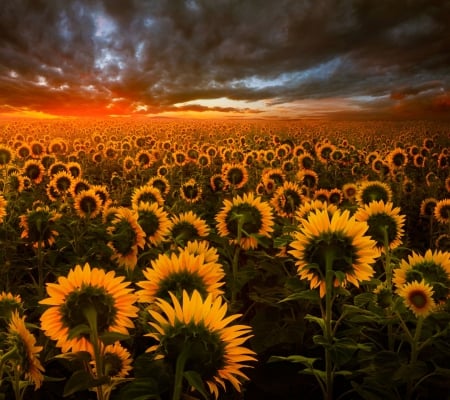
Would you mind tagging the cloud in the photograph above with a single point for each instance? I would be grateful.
(83, 55)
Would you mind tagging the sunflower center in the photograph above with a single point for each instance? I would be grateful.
(147, 197)
(89, 297)
(374, 193)
(418, 299)
(235, 176)
(32, 171)
(184, 231)
(380, 223)
(179, 281)
(124, 237)
(206, 349)
(88, 204)
(434, 274)
(341, 247)
(190, 191)
(250, 216)
(149, 222)
(114, 364)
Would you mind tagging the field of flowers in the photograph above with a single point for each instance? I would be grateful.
(178, 259)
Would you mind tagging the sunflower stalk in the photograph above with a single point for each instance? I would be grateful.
(91, 316)
(388, 275)
(329, 276)
(179, 372)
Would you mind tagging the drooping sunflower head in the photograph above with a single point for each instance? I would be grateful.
(125, 237)
(433, 268)
(188, 226)
(427, 207)
(26, 360)
(373, 191)
(181, 271)
(34, 170)
(199, 330)
(116, 360)
(161, 183)
(386, 224)
(74, 298)
(8, 304)
(442, 242)
(308, 178)
(87, 204)
(39, 226)
(6, 155)
(339, 240)
(243, 218)
(418, 297)
(154, 221)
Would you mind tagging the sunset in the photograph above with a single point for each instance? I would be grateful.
(288, 59)
(224, 200)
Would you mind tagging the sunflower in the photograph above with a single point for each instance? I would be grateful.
(84, 289)
(242, 218)
(287, 199)
(313, 205)
(87, 204)
(144, 159)
(128, 164)
(234, 175)
(349, 191)
(442, 211)
(397, 158)
(26, 358)
(3, 205)
(183, 271)
(116, 360)
(418, 297)
(161, 183)
(188, 226)
(322, 195)
(200, 330)
(335, 196)
(339, 235)
(433, 267)
(57, 167)
(443, 242)
(78, 185)
(154, 221)
(308, 178)
(74, 168)
(146, 194)
(61, 182)
(34, 170)
(37, 149)
(23, 151)
(7, 155)
(125, 237)
(275, 174)
(383, 219)
(427, 207)
(191, 191)
(373, 190)
(38, 226)
(8, 304)
(216, 182)
(324, 152)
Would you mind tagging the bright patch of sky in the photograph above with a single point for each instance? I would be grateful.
(225, 102)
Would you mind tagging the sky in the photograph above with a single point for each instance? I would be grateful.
(288, 59)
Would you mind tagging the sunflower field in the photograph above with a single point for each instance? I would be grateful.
(209, 259)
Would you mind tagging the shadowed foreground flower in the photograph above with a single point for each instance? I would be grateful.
(418, 297)
(38, 226)
(383, 219)
(82, 290)
(177, 272)
(373, 190)
(126, 236)
(243, 218)
(433, 268)
(199, 332)
(344, 238)
(26, 361)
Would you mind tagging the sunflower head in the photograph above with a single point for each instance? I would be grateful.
(154, 221)
(373, 191)
(9, 303)
(418, 297)
(197, 330)
(188, 226)
(337, 243)
(39, 226)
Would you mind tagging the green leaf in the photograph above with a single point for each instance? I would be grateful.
(306, 361)
(112, 337)
(309, 295)
(317, 320)
(195, 380)
(76, 356)
(362, 299)
(140, 389)
(81, 380)
(78, 331)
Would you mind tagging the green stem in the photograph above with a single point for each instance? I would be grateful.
(91, 317)
(329, 276)
(414, 353)
(388, 272)
(179, 371)
(235, 261)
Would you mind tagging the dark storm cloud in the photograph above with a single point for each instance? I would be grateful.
(128, 56)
